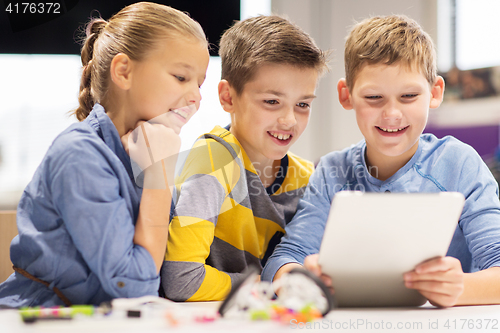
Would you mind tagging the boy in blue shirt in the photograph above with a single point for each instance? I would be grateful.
(391, 83)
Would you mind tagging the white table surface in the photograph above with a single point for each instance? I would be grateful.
(423, 319)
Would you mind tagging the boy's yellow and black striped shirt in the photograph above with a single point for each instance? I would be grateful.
(224, 218)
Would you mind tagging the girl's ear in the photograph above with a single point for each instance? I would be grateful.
(226, 96)
(437, 92)
(344, 95)
(121, 71)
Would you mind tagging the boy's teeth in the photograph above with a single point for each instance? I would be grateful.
(391, 130)
(280, 136)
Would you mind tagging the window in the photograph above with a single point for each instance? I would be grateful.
(37, 93)
(468, 48)
(251, 8)
(468, 33)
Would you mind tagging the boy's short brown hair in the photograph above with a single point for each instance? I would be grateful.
(260, 40)
(389, 40)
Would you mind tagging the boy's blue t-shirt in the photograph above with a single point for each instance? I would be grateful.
(438, 165)
(76, 221)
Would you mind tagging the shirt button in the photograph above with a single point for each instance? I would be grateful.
(120, 284)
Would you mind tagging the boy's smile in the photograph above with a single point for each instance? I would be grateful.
(391, 131)
(272, 111)
(280, 138)
(391, 104)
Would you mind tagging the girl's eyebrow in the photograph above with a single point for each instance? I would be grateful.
(183, 64)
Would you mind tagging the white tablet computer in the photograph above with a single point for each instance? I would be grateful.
(371, 239)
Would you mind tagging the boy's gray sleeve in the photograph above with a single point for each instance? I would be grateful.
(304, 233)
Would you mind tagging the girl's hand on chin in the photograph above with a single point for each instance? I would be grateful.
(150, 143)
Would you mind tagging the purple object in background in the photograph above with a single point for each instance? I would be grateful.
(485, 139)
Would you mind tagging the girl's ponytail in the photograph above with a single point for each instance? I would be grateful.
(85, 98)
